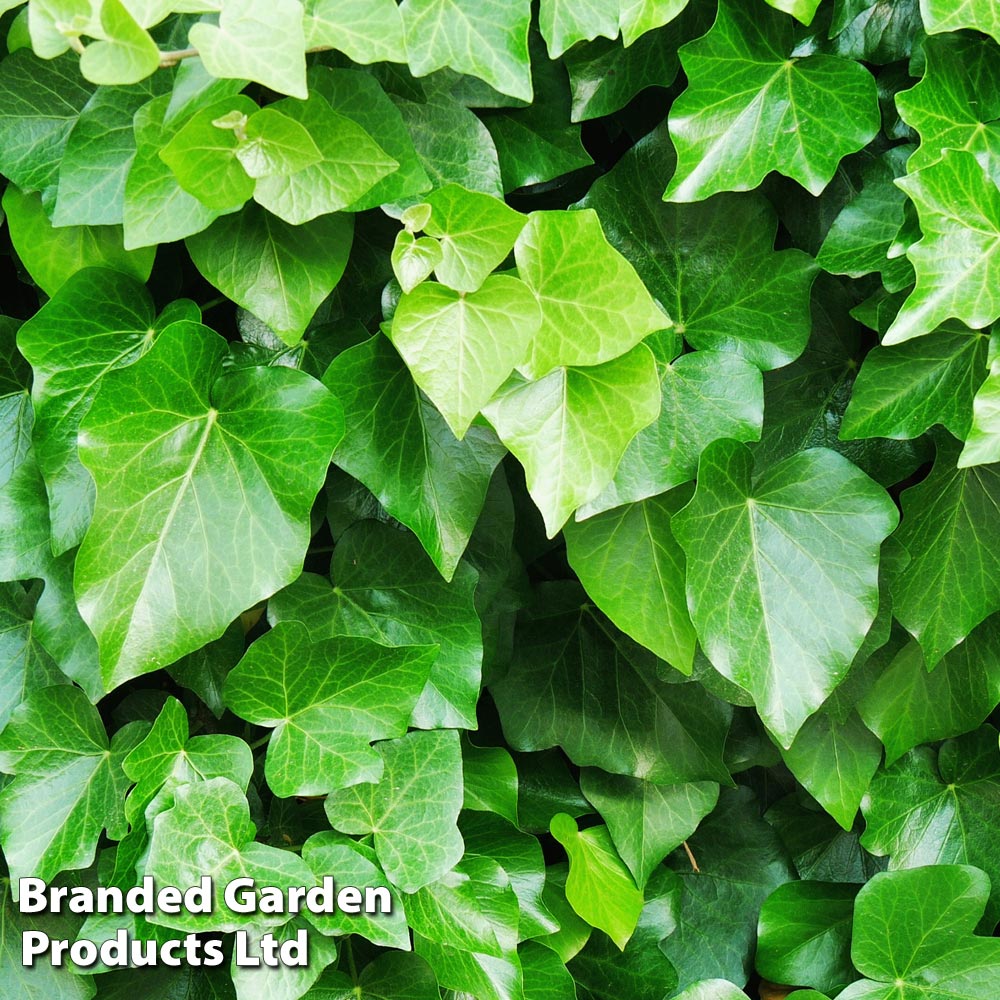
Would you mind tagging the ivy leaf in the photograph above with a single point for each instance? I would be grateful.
(641, 971)
(938, 956)
(836, 762)
(52, 256)
(959, 207)
(594, 306)
(804, 402)
(471, 908)
(255, 42)
(863, 233)
(687, 254)
(280, 273)
(414, 258)
(570, 429)
(57, 621)
(544, 975)
(204, 155)
(392, 976)
(565, 23)
(386, 590)
(753, 106)
(123, 52)
(813, 518)
(324, 719)
(631, 566)
(599, 886)
(167, 754)
(949, 556)
(636, 17)
(491, 781)
(366, 31)
(40, 102)
(577, 683)
(461, 347)
(286, 982)
(801, 10)
(705, 395)
(476, 232)
(604, 76)
(98, 155)
(487, 835)
(205, 670)
(43, 980)
(904, 390)
(357, 865)
(940, 16)
(350, 163)
(909, 705)
(357, 95)
(488, 40)
(99, 320)
(741, 862)
(207, 831)
(934, 807)
(820, 848)
(468, 973)
(69, 783)
(412, 810)
(166, 441)
(647, 821)
(538, 144)
(956, 102)
(185, 983)
(454, 146)
(982, 444)
(874, 31)
(719, 989)
(156, 208)
(401, 448)
(804, 935)
(29, 666)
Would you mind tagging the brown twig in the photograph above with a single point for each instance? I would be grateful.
(694, 864)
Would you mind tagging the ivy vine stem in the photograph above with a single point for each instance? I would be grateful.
(173, 57)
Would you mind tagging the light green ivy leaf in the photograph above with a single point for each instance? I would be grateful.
(487, 39)
(956, 260)
(570, 428)
(460, 347)
(599, 887)
(595, 307)
(254, 41)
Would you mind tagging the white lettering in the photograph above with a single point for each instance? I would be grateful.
(33, 943)
(31, 895)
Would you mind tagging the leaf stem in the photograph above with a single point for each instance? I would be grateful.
(173, 57)
(352, 968)
(691, 858)
(257, 744)
(168, 59)
(212, 303)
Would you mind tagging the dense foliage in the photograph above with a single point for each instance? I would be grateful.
(540, 458)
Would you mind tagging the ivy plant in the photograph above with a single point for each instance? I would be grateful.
(539, 461)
